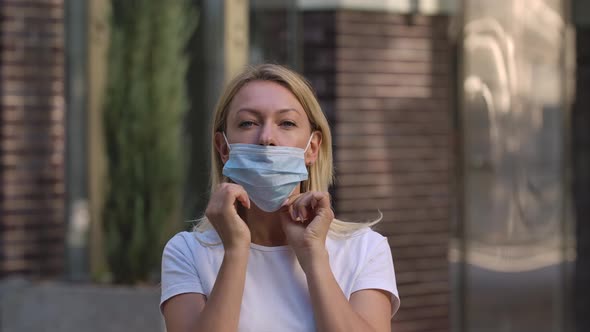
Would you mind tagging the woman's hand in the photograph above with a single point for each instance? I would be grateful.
(306, 219)
(223, 214)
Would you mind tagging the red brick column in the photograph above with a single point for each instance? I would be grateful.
(384, 81)
(32, 137)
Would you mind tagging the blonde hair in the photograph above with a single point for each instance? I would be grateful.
(321, 173)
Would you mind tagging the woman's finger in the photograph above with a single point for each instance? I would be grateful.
(304, 209)
(233, 193)
(321, 201)
(242, 196)
(322, 208)
(289, 203)
(290, 200)
(304, 206)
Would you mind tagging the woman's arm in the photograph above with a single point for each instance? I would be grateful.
(192, 312)
(367, 310)
(221, 311)
(306, 221)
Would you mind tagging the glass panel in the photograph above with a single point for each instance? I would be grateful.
(513, 138)
(273, 32)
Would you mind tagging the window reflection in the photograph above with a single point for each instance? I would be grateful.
(513, 133)
(513, 160)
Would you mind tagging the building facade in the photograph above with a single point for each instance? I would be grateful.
(464, 123)
(33, 143)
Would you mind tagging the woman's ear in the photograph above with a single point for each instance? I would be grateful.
(311, 155)
(221, 147)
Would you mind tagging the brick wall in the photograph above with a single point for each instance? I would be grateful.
(31, 137)
(384, 81)
(581, 178)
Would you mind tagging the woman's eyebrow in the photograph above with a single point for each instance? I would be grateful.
(247, 110)
(255, 112)
(286, 110)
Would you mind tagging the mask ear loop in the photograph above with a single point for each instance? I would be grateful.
(229, 148)
(226, 142)
(304, 187)
(308, 143)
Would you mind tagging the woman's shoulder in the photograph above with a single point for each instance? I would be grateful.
(364, 236)
(356, 248)
(192, 240)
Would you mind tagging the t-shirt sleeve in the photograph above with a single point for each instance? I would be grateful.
(379, 273)
(179, 273)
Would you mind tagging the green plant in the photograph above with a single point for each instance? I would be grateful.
(145, 102)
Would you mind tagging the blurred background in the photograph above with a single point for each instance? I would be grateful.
(465, 122)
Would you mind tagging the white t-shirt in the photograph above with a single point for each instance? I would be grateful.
(276, 297)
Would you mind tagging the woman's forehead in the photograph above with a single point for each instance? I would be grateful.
(265, 97)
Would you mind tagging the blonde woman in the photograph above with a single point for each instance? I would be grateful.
(268, 255)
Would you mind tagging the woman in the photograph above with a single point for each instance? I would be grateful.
(269, 255)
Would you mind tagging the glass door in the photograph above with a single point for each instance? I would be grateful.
(512, 122)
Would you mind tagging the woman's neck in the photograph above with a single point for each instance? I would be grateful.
(265, 227)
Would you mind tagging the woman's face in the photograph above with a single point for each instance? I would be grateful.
(267, 113)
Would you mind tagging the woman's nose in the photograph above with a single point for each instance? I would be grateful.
(266, 136)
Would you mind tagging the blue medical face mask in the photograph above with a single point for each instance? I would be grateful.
(269, 174)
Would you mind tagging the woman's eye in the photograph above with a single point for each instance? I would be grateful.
(288, 124)
(246, 124)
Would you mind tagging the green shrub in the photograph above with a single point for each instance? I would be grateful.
(145, 103)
